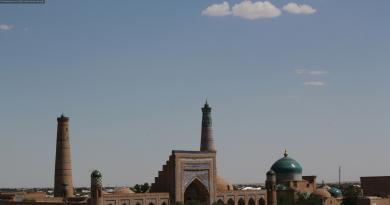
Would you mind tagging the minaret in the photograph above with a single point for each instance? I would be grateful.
(207, 139)
(63, 186)
(96, 188)
(270, 185)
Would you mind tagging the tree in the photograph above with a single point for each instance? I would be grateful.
(141, 188)
(351, 195)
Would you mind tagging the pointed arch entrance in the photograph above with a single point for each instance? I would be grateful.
(196, 192)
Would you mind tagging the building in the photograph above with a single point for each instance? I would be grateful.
(187, 176)
(376, 190)
(286, 184)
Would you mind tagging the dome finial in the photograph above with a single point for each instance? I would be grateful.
(285, 153)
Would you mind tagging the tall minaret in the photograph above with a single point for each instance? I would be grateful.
(63, 185)
(207, 139)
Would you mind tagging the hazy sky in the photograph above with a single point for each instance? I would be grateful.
(133, 75)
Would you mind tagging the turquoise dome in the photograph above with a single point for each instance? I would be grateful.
(335, 192)
(287, 165)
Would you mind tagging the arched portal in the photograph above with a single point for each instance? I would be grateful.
(220, 202)
(241, 201)
(196, 192)
(230, 201)
(251, 201)
(261, 201)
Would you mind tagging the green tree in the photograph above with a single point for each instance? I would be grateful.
(145, 187)
(351, 195)
(141, 188)
(137, 188)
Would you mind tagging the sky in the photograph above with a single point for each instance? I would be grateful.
(309, 76)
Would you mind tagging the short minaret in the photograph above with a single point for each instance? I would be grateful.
(63, 185)
(207, 139)
(96, 188)
(270, 185)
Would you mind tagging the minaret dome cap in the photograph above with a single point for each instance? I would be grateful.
(96, 174)
(63, 118)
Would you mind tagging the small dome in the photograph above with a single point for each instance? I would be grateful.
(223, 185)
(286, 165)
(321, 192)
(96, 174)
(123, 190)
(335, 192)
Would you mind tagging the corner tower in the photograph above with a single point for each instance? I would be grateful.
(63, 185)
(207, 139)
(96, 188)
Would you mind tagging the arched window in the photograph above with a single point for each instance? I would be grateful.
(164, 203)
(241, 201)
(230, 201)
(261, 201)
(251, 201)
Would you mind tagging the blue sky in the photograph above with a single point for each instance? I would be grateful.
(132, 76)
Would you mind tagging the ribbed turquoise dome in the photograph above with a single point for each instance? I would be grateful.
(335, 192)
(287, 165)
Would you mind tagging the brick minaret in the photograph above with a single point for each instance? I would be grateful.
(270, 185)
(207, 139)
(63, 186)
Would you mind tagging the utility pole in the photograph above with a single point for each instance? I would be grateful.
(339, 176)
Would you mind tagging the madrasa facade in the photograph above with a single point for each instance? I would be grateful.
(187, 176)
